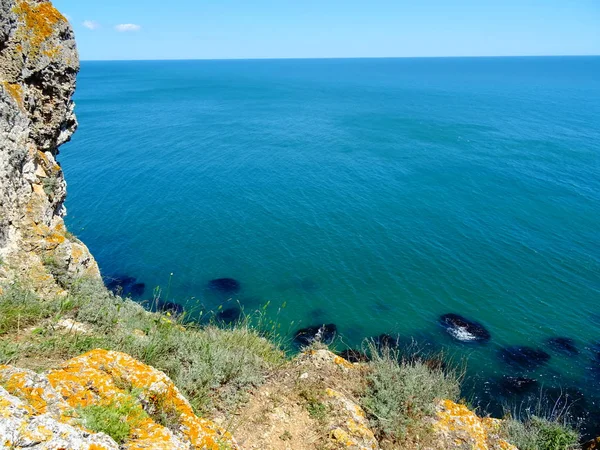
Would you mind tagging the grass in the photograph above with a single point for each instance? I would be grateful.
(401, 393)
(18, 309)
(312, 394)
(538, 433)
(213, 367)
(116, 419)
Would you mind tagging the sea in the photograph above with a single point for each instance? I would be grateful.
(374, 194)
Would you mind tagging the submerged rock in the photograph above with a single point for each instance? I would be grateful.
(385, 341)
(463, 329)
(517, 385)
(125, 286)
(524, 357)
(224, 285)
(229, 315)
(563, 345)
(318, 333)
(171, 307)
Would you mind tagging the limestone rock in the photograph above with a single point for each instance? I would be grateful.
(457, 427)
(309, 404)
(38, 67)
(352, 428)
(44, 411)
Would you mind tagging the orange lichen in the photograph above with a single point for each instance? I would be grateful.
(96, 377)
(52, 52)
(342, 362)
(37, 22)
(18, 385)
(465, 426)
(50, 166)
(15, 91)
(96, 447)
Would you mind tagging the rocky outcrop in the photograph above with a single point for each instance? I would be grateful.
(38, 67)
(457, 427)
(51, 411)
(310, 404)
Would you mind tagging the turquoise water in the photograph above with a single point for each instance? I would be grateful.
(376, 194)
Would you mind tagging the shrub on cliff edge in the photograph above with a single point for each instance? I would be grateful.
(402, 393)
(537, 433)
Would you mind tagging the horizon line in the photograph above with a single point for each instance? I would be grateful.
(344, 57)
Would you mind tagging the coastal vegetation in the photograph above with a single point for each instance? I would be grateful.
(216, 366)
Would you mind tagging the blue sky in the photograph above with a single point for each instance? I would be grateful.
(223, 29)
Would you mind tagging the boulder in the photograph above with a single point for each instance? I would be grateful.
(317, 333)
(463, 329)
(49, 407)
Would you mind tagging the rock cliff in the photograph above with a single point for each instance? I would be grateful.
(38, 68)
(60, 409)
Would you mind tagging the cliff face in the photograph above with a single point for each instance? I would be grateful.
(38, 68)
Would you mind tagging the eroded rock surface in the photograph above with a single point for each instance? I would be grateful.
(309, 404)
(44, 411)
(38, 67)
(457, 427)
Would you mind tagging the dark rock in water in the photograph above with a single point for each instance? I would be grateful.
(229, 315)
(224, 285)
(117, 283)
(137, 290)
(517, 385)
(385, 341)
(524, 357)
(563, 345)
(319, 333)
(463, 329)
(354, 356)
(171, 307)
(125, 286)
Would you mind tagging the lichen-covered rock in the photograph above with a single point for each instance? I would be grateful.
(457, 427)
(38, 67)
(20, 428)
(46, 409)
(351, 429)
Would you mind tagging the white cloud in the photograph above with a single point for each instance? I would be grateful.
(123, 27)
(91, 25)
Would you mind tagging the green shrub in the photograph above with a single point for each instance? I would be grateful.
(537, 433)
(49, 185)
(401, 393)
(210, 365)
(116, 419)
